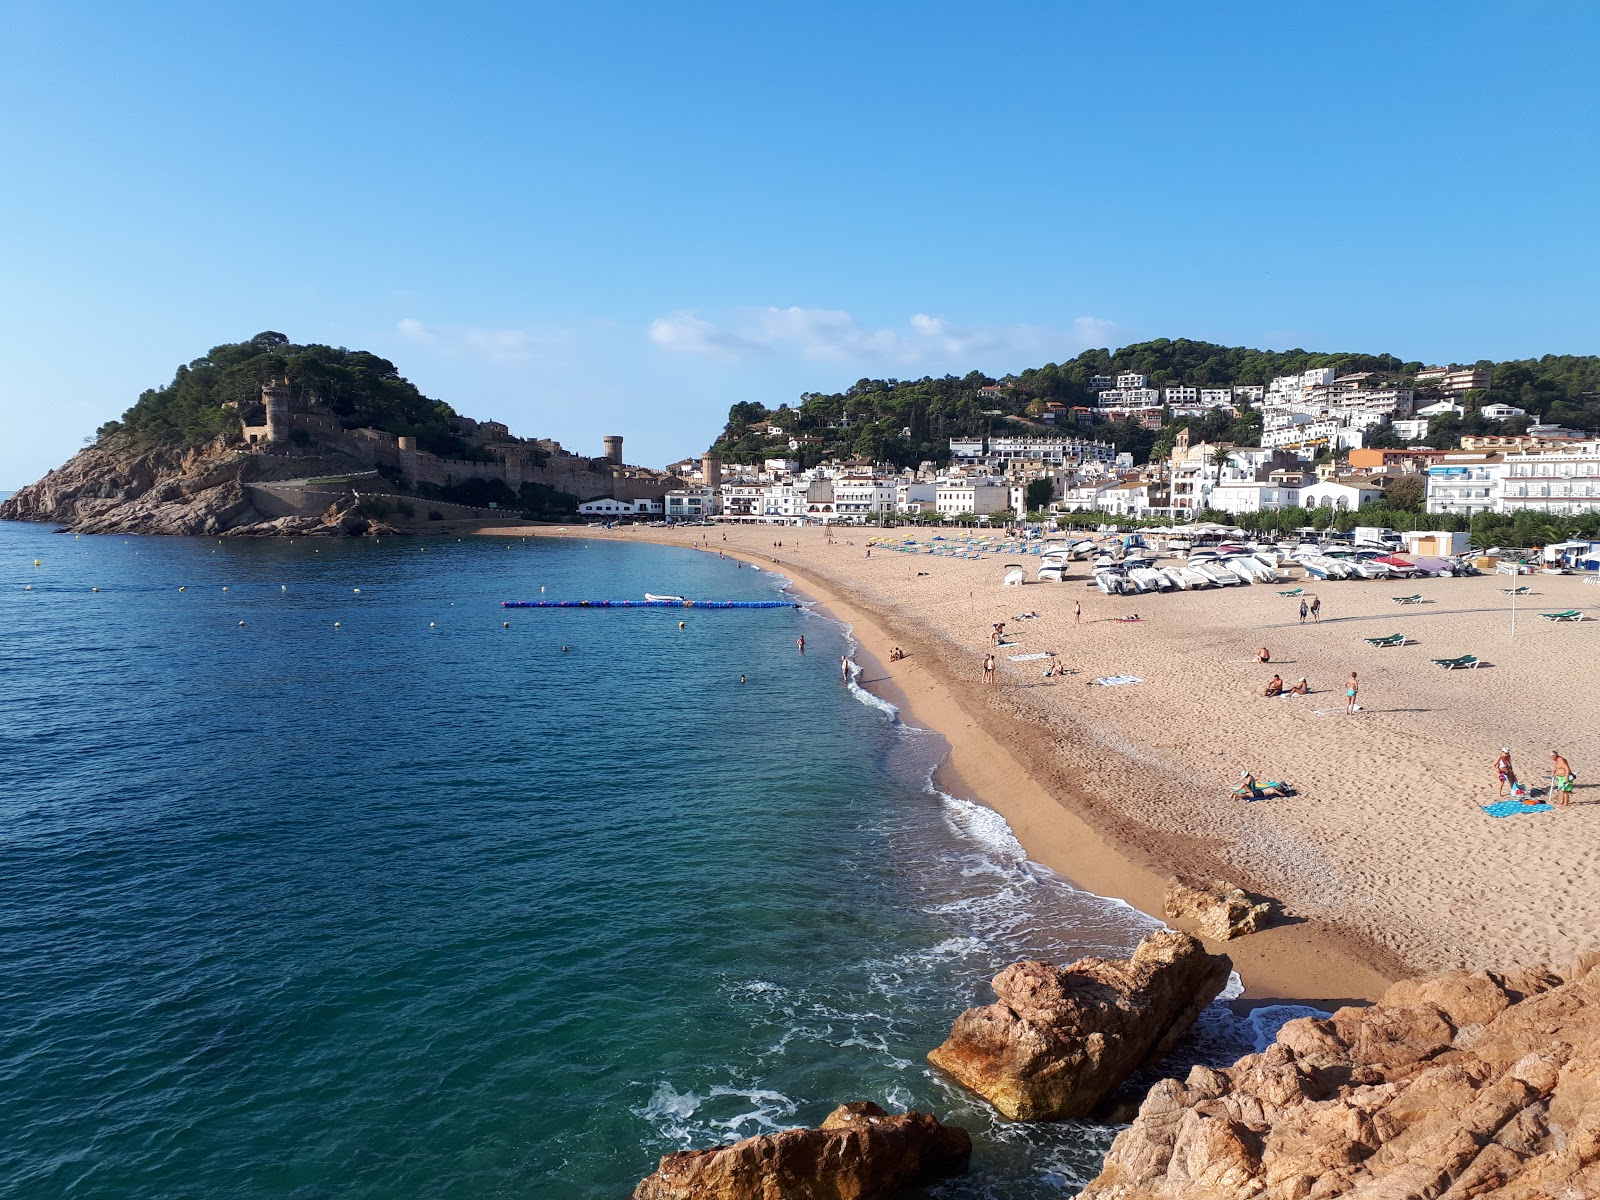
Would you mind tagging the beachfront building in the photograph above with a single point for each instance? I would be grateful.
(1464, 484)
(610, 506)
(1281, 490)
(1341, 495)
(955, 498)
(692, 504)
(912, 496)
(1562, 483)
(863, 498)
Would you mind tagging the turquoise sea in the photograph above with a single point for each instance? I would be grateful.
(370, 896)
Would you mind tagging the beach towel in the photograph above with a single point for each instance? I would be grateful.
(1510, 808)
(1028, 657)
(1117, 680)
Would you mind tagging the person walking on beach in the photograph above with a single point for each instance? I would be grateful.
(1077, 612)
(1561, 788)
(1503, 770)
(1316, 608)
(1350, 689)
(1303, 611)
(988, 668)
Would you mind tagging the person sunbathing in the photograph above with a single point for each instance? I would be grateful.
(1301, 689)
(1249, 789)
(1274, 688)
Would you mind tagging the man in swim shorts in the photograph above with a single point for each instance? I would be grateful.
(1275, 687)
(1561, 789)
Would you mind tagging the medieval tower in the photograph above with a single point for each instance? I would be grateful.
(275, 394)
(613, 446)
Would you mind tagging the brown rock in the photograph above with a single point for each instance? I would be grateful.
(1060, 1039)
(860, 1152)
(1219, 910)
(1462, 1084)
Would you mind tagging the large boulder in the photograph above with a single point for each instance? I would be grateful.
(860, 1152)
(1059, 1040)
(1457, 1085)
(1219, 910)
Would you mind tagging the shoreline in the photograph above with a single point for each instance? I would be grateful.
(1003, 761)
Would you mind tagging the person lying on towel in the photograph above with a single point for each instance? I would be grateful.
(1249, 789)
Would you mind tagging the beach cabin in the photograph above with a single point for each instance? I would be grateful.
(1436, 542)
(1582, 555)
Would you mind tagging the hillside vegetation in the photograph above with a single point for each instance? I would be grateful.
(361, 389)
(910, 421)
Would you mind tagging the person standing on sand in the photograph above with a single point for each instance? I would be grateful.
(1303, 611)
(988, 668)
(1503, 770)
(1077, 612)
(1561, 789)
(1351, 688)
(1316, 608)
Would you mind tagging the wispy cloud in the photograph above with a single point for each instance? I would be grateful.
(836, 335)
(494, 345)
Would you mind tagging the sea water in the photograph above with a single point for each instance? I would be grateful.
(317, 880)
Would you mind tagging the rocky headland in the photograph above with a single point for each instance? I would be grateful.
(1457, 1085)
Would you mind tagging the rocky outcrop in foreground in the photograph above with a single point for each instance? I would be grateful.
(859, 1153)
(1061, 1039)
(1219, 910)
(1465, 1084)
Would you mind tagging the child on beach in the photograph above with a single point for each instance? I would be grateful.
(1561, 788)
(1350, 690)
(988, 668)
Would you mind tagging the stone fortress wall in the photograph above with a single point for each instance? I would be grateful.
(512, 461)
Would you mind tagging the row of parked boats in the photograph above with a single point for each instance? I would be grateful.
(1124, 569)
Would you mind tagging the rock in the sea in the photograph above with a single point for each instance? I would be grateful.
(1220, 910)
(1060, 1039)
(860, 1152)
(1465, 1084)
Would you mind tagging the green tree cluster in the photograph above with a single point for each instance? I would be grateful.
(208, 396)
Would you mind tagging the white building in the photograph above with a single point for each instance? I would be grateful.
(1254, 497)
(1441, 408)
(1341, 497)
(1455, 380)
(862, 499)
(1501, 412)
(1249, 393)
(967, 449)
(692, 504)
(1099, 383)
(1562, 483)
(607, 506)
(912, 497)
(1464, 484)
(1217, 397)
(1181, 395)
(955, 498)
(1128, 399)
(1132, 380)
(1410, 429)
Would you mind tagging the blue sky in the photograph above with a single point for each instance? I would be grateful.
(621, 218)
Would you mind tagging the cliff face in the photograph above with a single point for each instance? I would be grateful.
(1466, 1084)
(119, 487)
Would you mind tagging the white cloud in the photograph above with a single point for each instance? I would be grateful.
(494, 345)
(836, 335)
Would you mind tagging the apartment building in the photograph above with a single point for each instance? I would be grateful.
(956, 498)
(1464, 484)
(1563, 483)
(1455, 380)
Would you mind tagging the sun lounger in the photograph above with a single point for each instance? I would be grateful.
(1516, 591)
(1417, 599)
(1394, 639)
(1296, 592)
(1572, 614)
(1457, 664)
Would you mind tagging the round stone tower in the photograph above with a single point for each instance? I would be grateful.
(613, 446)
(275, 395)
(711, 468)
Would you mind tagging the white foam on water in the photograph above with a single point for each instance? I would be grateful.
(725, 1113)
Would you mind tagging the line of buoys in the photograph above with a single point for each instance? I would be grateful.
(648, 604)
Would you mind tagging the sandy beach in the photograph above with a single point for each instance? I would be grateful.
(1384, 862)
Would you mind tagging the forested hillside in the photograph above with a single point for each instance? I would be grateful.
(361, 388)
(909, 421)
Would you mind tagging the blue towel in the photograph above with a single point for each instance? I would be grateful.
(1508, 808)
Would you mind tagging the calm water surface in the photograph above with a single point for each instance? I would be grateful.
(419, 905)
